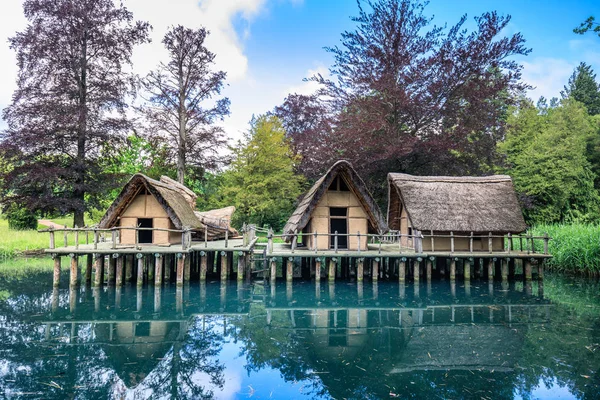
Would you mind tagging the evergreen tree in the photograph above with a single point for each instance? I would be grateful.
(261, 182)
(583, 87)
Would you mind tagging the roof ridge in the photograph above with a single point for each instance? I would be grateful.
(396, 176)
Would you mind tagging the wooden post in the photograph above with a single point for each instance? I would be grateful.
(541, 270)
(98, 270)
(112, 261)
(471, 243)
(491, 262)
(509, 242)
(270, 241)
(88, 269)
(95, 239)
(453, 269)
(429, 268)
(273, 272)
(140, 269)
(187, 268)
(527, 269)
(119, 271)
(332, 268)
(335, 242)
(546, 238)
(226, 238)
(51, 237)
(65, 236)
(402, 270)
(375, 269)
(317, 269)
(360, 272)
(467, 269)
(432, 241)
(180, 268)
(358, 244)
(205, 237)
(76, 238)
(158, 269)
(74, 266)
(241, 266)
(294, 240)
(417, 269)
(289, 270)
(128, 268)
(224, 266)
(113, 234)
(504, 269)
(203, 266)
(315, 241)
(451, 244)
(490, 243)
(56, 277)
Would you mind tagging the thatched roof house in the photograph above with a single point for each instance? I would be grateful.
(460, 205)
(338, 201)
(166, 204)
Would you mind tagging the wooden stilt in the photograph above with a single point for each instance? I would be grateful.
(88, 269)
(289, 270)
(467, 269)
(140, 270)
(491, 262)
(112, 265)
(273, 272)
(527, 269)
(360, 272)
(119, 272)
(317, 269)
(241, 266)
(504, 269)
(187, 268)
(74, 281)
(541, 270)
(158, 269)
(98, 278)
(417, 269)
(429, 268)
(128, 268)
(56, 277)
(375, 270)
(453, 269)
(332, 269)
(224, 266)
(203, 266)
(180, 268)
(402, 270)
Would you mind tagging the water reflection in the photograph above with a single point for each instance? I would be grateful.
(340, 340)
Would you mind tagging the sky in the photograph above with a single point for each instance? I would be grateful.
(267, 47)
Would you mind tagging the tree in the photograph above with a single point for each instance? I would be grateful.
(178, 91)
(589, 24)
(583, 87)
(545, 154)
(421, 99)
(308, 125)
(70, 99)
(261, 182)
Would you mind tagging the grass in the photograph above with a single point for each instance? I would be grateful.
(15, 243)
(575, 247)
(21, 267)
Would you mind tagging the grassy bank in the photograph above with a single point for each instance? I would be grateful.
(575, 247)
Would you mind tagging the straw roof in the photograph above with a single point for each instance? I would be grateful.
(219, 218)
(303, 212)
(442, 203)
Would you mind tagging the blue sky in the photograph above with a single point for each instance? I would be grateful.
(267, 47)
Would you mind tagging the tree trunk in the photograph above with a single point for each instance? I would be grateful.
(79, 191)
(182, 124)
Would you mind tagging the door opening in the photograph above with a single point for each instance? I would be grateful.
(338, 222)
(145, 236)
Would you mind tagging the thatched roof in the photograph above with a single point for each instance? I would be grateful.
(442, 203)
(169, 197)
(178, 202)
(303, 212)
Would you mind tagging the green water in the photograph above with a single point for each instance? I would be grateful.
(338, 341)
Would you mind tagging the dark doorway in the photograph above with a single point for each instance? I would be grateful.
(338, 222)
(144, 236)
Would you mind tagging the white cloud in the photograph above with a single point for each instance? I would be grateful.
(308, 87)
(548, 76)
(11, 21)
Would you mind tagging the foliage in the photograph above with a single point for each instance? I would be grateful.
(414, 98)
(70, 99)
(583, 87)
(545, 153)
(261, 182)
(20, 218)
(177, 95)
(589, 24)
(575, 247)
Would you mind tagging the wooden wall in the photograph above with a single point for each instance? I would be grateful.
(146, 206)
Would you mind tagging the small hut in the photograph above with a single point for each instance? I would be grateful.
(338, 202)
(165, 204)
(441, 205)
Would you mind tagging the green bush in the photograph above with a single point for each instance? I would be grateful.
(20, 218)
